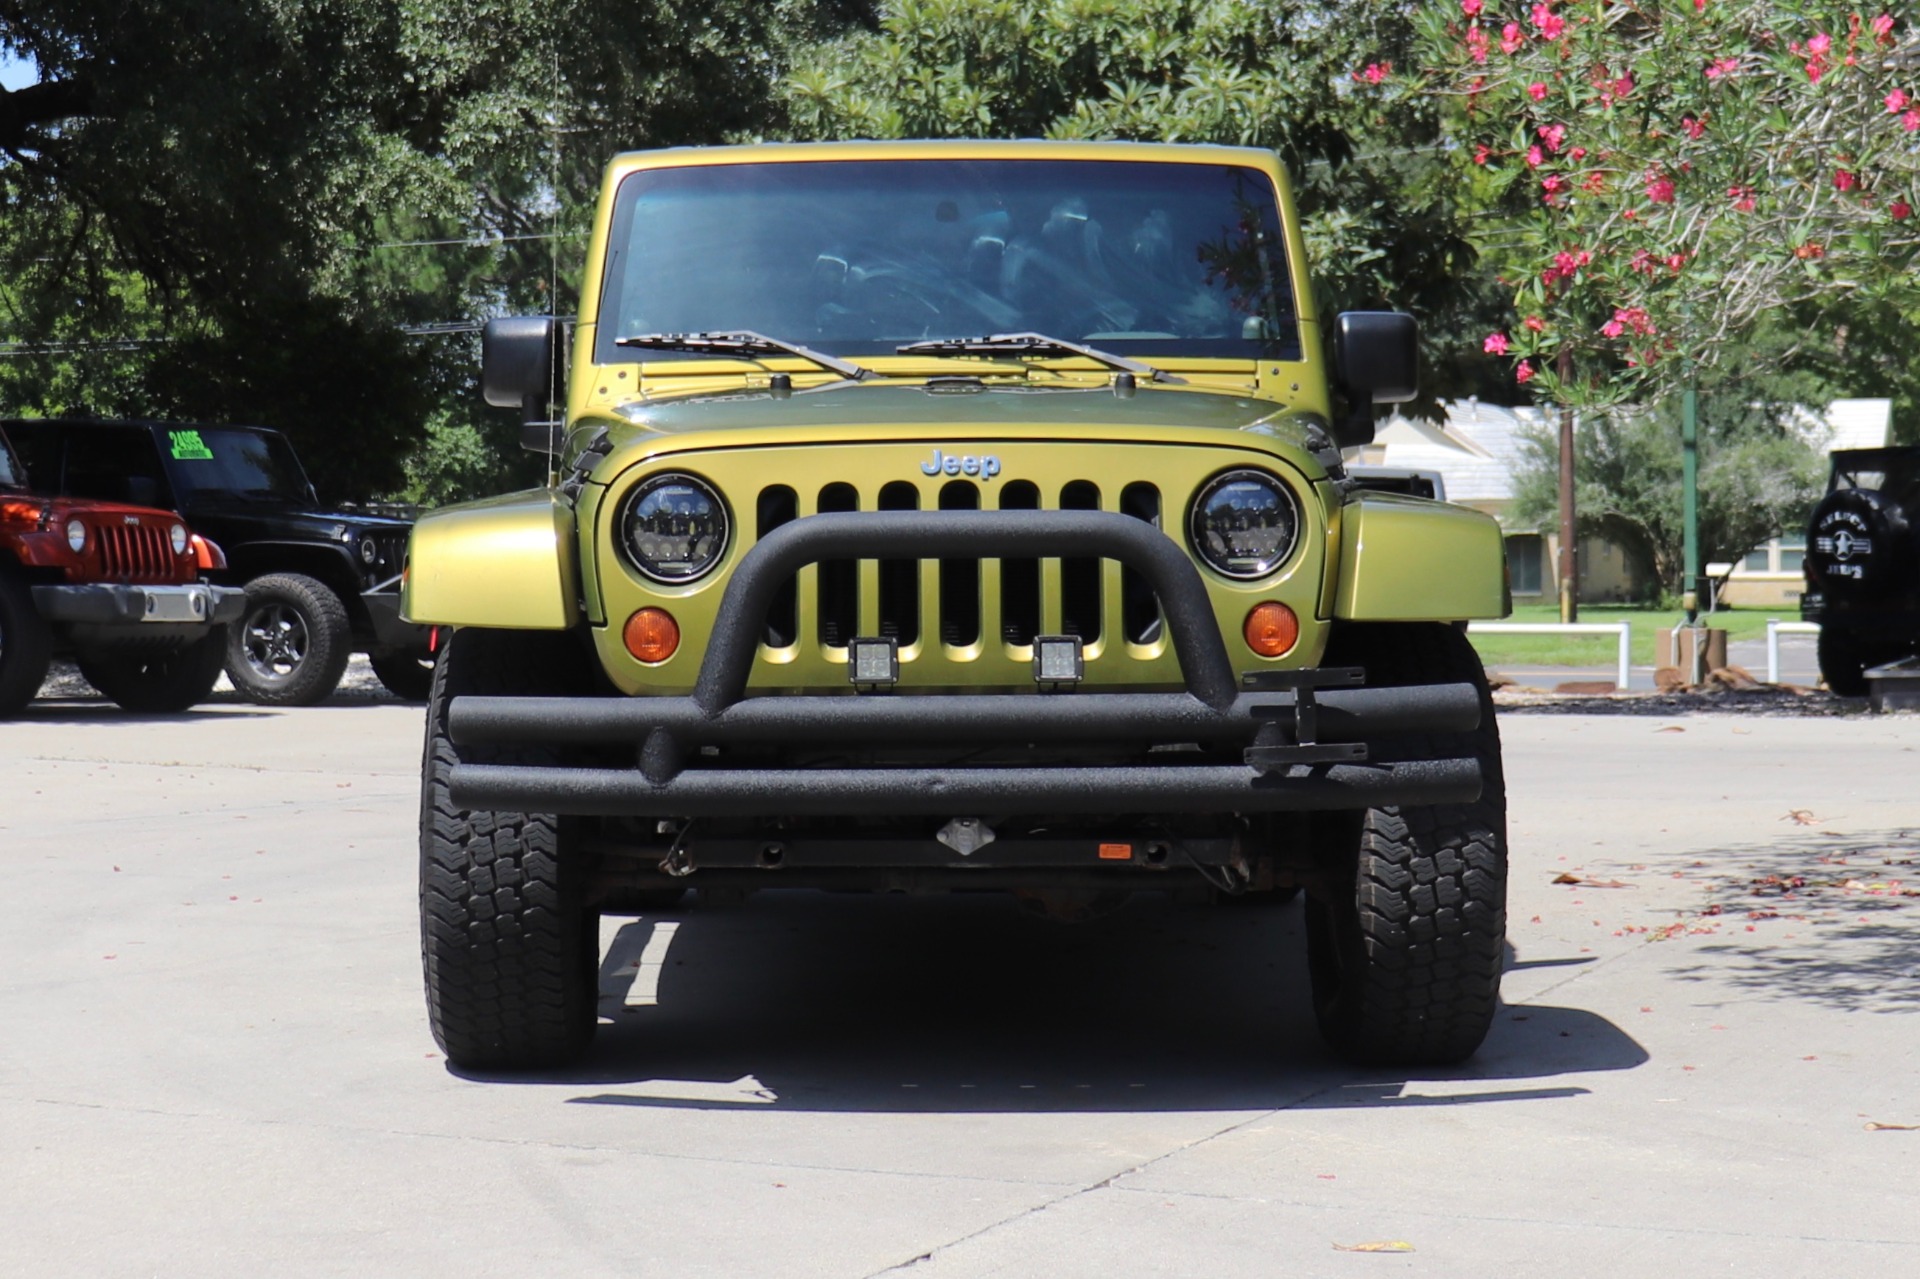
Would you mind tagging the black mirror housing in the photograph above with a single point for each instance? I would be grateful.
(1376, 360)
(518, 358)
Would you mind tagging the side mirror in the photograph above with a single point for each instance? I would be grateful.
(519, 362)
(1376, 357)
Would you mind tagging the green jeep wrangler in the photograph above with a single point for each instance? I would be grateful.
(958, 515)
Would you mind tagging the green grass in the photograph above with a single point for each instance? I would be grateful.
(1603, 650)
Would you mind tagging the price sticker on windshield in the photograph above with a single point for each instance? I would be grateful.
(187, 446)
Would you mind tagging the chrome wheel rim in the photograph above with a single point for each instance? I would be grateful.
(274, 641)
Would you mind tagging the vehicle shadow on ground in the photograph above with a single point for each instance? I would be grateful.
(817, 1002)
(97, 711)
(1819, 917)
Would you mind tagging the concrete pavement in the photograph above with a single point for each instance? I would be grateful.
(215, 1060)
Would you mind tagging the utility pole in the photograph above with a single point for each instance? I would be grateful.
(1690, 517)
(1569, 565)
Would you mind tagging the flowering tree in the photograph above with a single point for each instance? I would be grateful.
(1675, 171)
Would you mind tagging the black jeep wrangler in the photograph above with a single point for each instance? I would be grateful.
(321, 584)
(1863, 565)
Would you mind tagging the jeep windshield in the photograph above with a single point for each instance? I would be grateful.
(212, 464)
(861, 257)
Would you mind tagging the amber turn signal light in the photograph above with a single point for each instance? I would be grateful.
(652, 635)
(1271, 628)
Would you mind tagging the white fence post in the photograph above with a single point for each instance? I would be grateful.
(1623, 668)
(1774, 629)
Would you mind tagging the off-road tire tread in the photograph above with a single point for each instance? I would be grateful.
(508, 951)
(329, 642)
(403, 675)
(1421, 912)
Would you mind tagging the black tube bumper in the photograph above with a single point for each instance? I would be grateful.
(1302, 736)
(392, 634)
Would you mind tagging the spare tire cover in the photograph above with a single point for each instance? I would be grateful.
(1859, 544)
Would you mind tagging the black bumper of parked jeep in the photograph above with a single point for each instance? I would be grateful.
(1302, 736)
(110, 605)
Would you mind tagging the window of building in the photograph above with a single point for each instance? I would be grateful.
(1524, 555)
(1758, 561)
(1792, 555)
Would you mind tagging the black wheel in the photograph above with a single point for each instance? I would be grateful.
(26, 647)
(406, 676)
(158, 681)
(291, 645)
(1845, 659)
(1406, 933)
(509, 947)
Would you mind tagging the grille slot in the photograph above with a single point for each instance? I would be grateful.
(135, 552)
(1019, 579)
(900, 579)
(1139, 609)
(839, 579)
(960, 579)
(779, 505)
(1080, 578)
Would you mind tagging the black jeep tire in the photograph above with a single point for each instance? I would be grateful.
(26, 647)
(1406, 931)
(158, 681)
(291, 645)
(406, 676)
(1846, 656)
(508, 946)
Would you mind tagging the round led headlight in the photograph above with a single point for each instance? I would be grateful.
(76, 536)
(368, 551)
(177, 538)
(674, 528)
(1244, 524)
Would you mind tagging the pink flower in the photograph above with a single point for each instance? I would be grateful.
(1553, 184)
(1480, 153)
(1578, 153)
(1523, 371)
(1900, 210)
(1613, 328)
(1477, 43)
(1843, 180)
(1883, 28)
(1550, 23)
(1537, 91)
(1818, 46)
(1596, 182)
(1553, 135)
(1534, 158)
(1659, 187)
(1471, 7)
(1535, 324)
(1911, 120)
(1722, 67)
(1742, 198)
(1815, 69)
(1511, 38)
(1897, 102)
(1496, 344)
(1691, 127)
(1675, 261)
(1699, 6)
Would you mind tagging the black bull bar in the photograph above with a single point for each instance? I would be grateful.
(1303, 734)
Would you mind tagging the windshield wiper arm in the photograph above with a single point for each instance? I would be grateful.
(1033, 344)
(743, 342)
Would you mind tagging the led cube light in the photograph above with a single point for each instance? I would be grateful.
(873, 661)
(1057, 659)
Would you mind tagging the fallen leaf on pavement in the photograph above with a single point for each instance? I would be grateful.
(1893, 1127)
(1381, 1245)
(1800, 817)
(1564, 878)
(1671, 728)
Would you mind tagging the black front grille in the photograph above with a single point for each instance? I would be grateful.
(958, 592)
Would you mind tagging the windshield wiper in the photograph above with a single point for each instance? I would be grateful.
(743, 342)
(1034, 344)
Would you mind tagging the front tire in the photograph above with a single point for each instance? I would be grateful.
(26, 648)
(1845, 659)
(508, 945)
(291, 646)
(159, 681)
(1406, 931)
(406, 676)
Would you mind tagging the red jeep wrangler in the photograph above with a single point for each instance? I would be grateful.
(115, 587)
